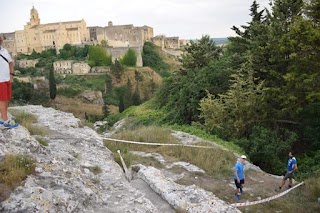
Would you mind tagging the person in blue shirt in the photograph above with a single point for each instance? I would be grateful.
(291, 167)
(239, 175)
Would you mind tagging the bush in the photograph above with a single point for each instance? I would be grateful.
(69, 91)
(269, 148)
(151, 58)
(129, 58)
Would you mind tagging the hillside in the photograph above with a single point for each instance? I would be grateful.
(74, 172)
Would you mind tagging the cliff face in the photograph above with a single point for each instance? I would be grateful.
(64, 181)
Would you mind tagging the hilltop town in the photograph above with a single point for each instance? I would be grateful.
(36, 36)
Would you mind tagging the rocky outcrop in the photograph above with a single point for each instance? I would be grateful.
(65, 180)
(190, 198)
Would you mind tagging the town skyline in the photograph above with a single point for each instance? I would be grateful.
(185, 19)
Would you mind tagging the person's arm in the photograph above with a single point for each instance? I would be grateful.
(236, 173)
(11, 68)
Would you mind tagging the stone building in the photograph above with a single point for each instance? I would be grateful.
(121, 35)
(9, 42)
(39, 37)
(166, 42)
(71, 67)
(26, 63)
(118, 52)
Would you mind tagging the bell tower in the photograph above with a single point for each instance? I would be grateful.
(34, 17)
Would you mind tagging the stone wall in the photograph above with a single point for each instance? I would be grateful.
(80, 68)
(121, 35)
(166, 42)
(71, 67)
(63, 66)
(100, 69)
(118, 52)
(26, 63)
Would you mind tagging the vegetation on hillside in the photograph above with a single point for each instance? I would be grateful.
(130, 58)
(151, 58)
(261, 91)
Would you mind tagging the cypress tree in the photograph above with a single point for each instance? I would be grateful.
(52, 84)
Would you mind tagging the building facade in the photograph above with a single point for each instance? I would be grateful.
(39, 37)
(121, 35)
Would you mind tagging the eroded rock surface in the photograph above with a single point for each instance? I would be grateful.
(64, 181)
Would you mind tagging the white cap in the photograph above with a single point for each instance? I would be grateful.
(243, 157)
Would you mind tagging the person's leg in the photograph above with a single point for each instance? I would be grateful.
(237, 191)
(283, 181)
(290, 182)
(241, 186)
(3, 99)
(5, 96)
(3, 110)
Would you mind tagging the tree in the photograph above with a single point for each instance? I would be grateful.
(136, 100)
(181, 93)
(121, 91)
(105, 109)
(99, 57)
(198, 54)
(129, 58)
(237, 110)
(52, 85)
(116, 69)
(151, 58)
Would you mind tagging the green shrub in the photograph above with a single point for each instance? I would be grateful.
(269, 148)
(129, 58)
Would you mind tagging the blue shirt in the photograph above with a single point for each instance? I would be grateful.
(291, 163)
(239, 167)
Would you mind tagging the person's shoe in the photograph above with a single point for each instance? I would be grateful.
(10, 125)
(237, 196)
(1, 122)
(289, 186)
(278, 189)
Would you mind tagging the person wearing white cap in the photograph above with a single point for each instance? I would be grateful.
(239, 175)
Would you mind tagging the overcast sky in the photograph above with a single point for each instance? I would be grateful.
(188, 19)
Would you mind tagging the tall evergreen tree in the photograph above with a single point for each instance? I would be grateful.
(52, 84)
(198, 54)
(116, 69)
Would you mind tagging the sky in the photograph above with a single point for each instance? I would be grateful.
(188, 19)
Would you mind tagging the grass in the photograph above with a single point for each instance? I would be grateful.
(213, 161)
(145, 115)
(13, 170)
(28, 121)
(95, 169)
(42, 141)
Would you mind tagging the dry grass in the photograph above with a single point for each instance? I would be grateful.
(29, 121)
(95, 169)
(218, 166)
(42, 141)
(13, 170)
(77, 106)
(214, 161)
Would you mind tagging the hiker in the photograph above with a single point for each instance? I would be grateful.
(6, 76)
(239, 176)
(291, 167)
